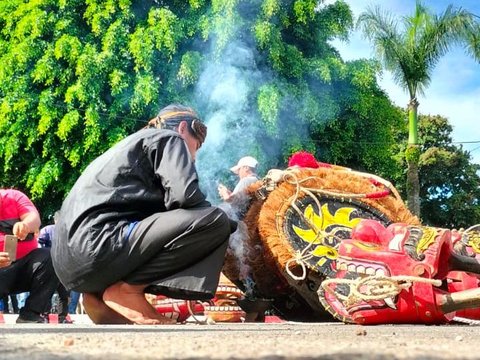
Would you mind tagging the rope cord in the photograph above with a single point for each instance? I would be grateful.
(374, 287)
(290, 177)
(301, 257)
(473, 228)
(379, 180)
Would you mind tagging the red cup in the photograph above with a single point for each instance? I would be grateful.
(53, 318)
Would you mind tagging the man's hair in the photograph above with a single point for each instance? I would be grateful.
(172, 115)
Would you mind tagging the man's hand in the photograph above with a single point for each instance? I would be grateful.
(20, 230)
(4, 259)
(224, 192)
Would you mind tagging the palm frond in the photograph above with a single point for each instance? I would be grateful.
(412, 52)
(381, 28)
(472, 46)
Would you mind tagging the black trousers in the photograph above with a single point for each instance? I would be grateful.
(178, 253)
(33, 273)
(13, 299)
(63, 297)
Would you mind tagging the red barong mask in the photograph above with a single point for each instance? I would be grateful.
(398, 274)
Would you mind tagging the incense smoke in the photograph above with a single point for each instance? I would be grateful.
(226, 90)
(226, 97)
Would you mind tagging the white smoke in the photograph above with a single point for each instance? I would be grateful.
(225, 91)
(237, 244)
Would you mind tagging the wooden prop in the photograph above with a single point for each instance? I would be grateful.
(224, 307)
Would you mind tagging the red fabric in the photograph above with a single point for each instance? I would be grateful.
(378, 195)
(13, 205)
(303, 159)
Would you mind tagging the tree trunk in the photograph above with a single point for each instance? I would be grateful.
(412, 156)
(412, 122)
(413, 187)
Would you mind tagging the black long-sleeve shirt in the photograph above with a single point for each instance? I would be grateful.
(149, 171)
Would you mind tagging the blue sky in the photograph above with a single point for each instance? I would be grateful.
(454, 90)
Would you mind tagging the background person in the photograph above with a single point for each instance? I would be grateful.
(5, 303)
(136, 222)
(45, 239)
(246, 169)
(74, 300)
(32, 271)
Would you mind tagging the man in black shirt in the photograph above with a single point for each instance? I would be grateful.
(136, 221)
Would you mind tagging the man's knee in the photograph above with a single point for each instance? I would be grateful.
(41, 261)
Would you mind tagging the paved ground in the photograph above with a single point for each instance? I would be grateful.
(239, 341)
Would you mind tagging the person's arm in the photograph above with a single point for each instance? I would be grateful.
(29, 217)
(174, 166)
(239, 191)
(238, 197)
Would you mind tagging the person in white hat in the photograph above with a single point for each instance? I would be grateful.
(246, 170)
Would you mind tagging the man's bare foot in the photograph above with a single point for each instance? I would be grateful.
(99, 312)
(130, 302)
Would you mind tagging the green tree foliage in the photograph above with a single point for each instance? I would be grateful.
(307, 97)
(449, 186)
(362, 136)
(77, 76)
(411, 53)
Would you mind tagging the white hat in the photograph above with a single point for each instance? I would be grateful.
(245, 161)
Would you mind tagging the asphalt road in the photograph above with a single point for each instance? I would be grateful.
(239, 341)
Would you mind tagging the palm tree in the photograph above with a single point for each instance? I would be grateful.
(411, 55)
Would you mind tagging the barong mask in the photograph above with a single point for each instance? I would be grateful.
(466, 242)
(398, 274)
